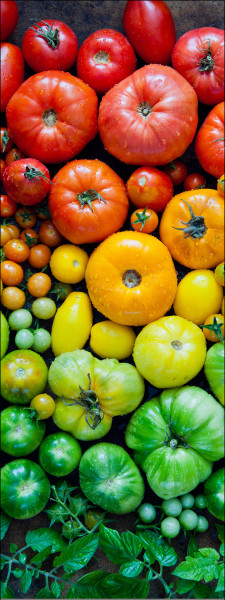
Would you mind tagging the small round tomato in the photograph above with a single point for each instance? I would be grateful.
(24, 374)
(220, 185)
(39, 256)
(177, 171)
(13, 154)
(8, 206)
(29, 236)
(11, 273)
(12, 71)
(9, 18)
(59, 454)
(105, 58)
(44, 405)
(14, 231)
(49, 235)
(13, 297)
(170, 527)
(42, 211)
(68, 263)
(50, 44)
(20, 319)
(111, 340)
(93, 518)
(2, 168)
(6, 139)
(39, 284)
(198, 295)
(16, 250)
(43, 308)
(214, 328)
(187, 501)
(220, 274)
(172, 507)
(194, 181)
(26, 181)
(25, 217)
(188, 519)
(146, 512)
(42, 340)
(24, 339)
(144, 219)
(5, 234)
(148, 186)
(21, 433)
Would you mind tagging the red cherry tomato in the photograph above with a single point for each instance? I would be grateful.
(26, 181)
(177, 171)
(2, 168)
(8, 206)
(12, 71)
(9, 18)
(150, 187)
(13, 154)
(49, 44)
(194, 181)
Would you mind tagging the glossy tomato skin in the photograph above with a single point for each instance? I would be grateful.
(49, 44)
(148, 186)
(25, 489)
(59, 454)
(214, 494)
(81, 218)
(198, 55)
(57, 129)
(26, 181)
(8, 206)
(21, 432)
(9, 18)
(150, 117)
(150, 28)
(23, 375)
(209, 142)
(105, 58)
(12, 71)
(214, 370)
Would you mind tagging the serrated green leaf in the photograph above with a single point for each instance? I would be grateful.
(208, 553)
(78, 554)
(198, 567)
(87, 586)
(221, 581)
(45, 593)
(39, 558)
(159, 548)
(149, 575)
(131, 569)
(26, 580)
(4, 524)
(22, 558)
(221, 532)
(17, 572)
(192, 546)
(119, 548)
(5, 591)
(56, 588)
(115, 585)
(13, 548)
(42, 538)
(149, 557)
(201, 590)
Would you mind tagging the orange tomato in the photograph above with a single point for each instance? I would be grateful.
(144, 219)
(13, 298)
(39, 256)
(214, 328)
(11, 273)
(16, 250)
(5, 234)
(39, 284)
(29, 236)
(14, 230)
(25, 217)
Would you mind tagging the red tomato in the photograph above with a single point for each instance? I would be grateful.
(150, 187)
(12, 71)
(149, 118)
(150, 28)
(48, 45)
(198, 55)
(9, 18)
(194, 181)
(13, 154)
(105, 58)
(2, 168)
(25, 217)
(16, 250)
(8, 206)
(6, 139)
(26, 181)
(177, 171)
(209, 143)
(87, 201)
(57, 114)
(49, 235)
(144, 219)
(29, 236)
(5, 235)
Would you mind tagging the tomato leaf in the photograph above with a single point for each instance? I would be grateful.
(87, 586)
(78, 554)
(159, 548)
(56, 588)
(4, 524)
(203, 565)
(115, 585)
(131, 569)
(45, 593)
(39, 539)
(17, 572)
(221, 581)
(5, 591)
(119, 549)
(39, 558)
(192, 546)
(26, 580)
(220, 531)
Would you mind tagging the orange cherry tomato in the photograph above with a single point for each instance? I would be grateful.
(29, 236)
(5, 234)
(2, 167)
(16, 250)
(11, 273)
(144, 219)
(214, 328)
(13, 154)
(148, 186)
(49, 235)
(39, 284)
(8, 206)
(13, 298)
(194, 181)
(44, 405)
(177, 171)
(39, 256)
(25, 217)
(14, 230)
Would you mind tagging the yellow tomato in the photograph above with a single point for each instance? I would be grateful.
(44, 405)
(72, 323)
(216, 331)
(68, 263)
(111, 340)
(220, 274)
(198, 295)
(170, 351)
(222, 307)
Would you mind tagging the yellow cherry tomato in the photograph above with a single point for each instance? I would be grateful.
(198, 295)
(222, 307)
(72, 323)
(68, 263)
(111, 340)
(44, 405)
(214, 332)
(220, 185)
(220, 274)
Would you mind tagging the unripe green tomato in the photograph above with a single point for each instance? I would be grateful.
(187, 500)
(188, 520)
(69, 530)
(170, 527)
(43, 308)
(24, 339)
(146, 512)
(202, 524)
(200, 501)
(172, 507)
(20, 319)
(42, 340)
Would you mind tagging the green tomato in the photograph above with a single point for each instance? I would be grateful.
(25, 489)
(188, 519)
(214, 494)
(200, 501)
(4, 328)
(146, 512)
(172, 507)
(59, 454)
(24, 338)
(43, 308)
(110, 479)
(20, 319)
(24, 374)
(214, 370)
(56, 511)
(170, 527)
(62, 290)
(176, 437)
(21, 432)
(42, 340)
(187, 500)
(70, 529)
(202, 524)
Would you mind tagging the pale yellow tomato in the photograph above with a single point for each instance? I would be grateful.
(198, 295)
(214, 332)
(220, 274)
(111, 340)
(68, 263)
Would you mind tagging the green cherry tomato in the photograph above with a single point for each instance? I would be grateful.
(21, 432)
(202, 524)
(93, 517)
(20, 319)
(172, 507)
(214, 494)
(187, 500)
(25, 489)
(200, 501)
(43, 308)
(188, 520)
(146, 512)
(59, 454)
(24, 338)
(23, 375)
(70, 529)
(170, 527)
(56, 511)
(42, 340)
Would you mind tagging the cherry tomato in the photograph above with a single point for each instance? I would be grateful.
(27, 181)
(42, 211)
(25, 217)
(14, 230)
(5, 234)
(43, 308)
(144, 219)
(2, 168)
(13, 154)
(220, 185)
(194, 181)
(93, 518)
(148, 186)
(29, 236)
(11, 273)
(39, 284)
(44, 405)
(13, 297)
(105, 58)
(177, 171)
(6, 139)
(68, 263)
(12, 71)
(39, 256)
(214, 328)
(49, 235)
(49, 44)
(9, 18)
(220, 274)
(16, 250)
(8, 206)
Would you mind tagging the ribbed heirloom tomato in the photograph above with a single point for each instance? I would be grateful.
(209, 143)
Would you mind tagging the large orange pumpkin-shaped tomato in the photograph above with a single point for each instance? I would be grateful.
(192, 228)
(131, 278)
(87, 201)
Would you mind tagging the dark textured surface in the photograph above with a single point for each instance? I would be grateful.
(84, 17)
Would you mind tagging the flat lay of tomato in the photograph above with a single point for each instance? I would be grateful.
(198, 55)
(87, 201)
(43, 121)
(105, 58)
(49, 44)
(23, 375)
(149, 118)
(209, 142)
(26, 181)
(12, 71)
(144, 219)
(9, 18)
(148, 186)
(59, 454)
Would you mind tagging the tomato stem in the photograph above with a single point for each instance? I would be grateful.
(215, 327)
(144, 109)
(50, 35)
(88, 197)
(194, 228)
(142, 218)
(206, 63)
(88, 399)
(5, 139)
(33, 173)
(131, 278)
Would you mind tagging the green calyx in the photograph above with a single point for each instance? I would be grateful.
(88, 399)
(142, 218)
(215, 327)
(206, 63)
(88, 197)
(195, 227)
(48, 33)
(33, 173)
